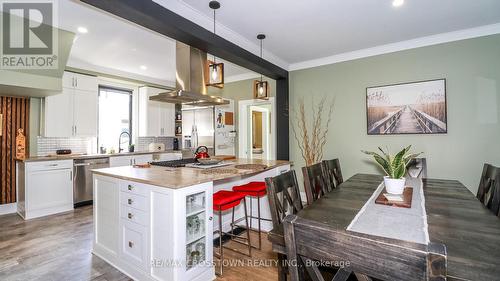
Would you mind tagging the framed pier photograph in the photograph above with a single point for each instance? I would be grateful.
(407, 108)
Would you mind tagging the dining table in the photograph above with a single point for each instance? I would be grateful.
(455, 218)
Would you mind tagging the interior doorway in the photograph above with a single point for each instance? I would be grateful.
(256, 129)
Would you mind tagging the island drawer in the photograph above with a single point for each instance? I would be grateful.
(134, 244)
(134, 188)
(134, 201)
(133, 215)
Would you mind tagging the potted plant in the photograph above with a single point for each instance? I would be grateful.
(394, 168)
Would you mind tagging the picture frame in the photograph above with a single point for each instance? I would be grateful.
(407, 108)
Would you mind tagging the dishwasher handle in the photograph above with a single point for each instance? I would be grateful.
(83, 164)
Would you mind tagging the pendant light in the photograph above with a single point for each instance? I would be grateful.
(261, 88)
(215, 71)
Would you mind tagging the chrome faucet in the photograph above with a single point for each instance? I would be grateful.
(120, 149)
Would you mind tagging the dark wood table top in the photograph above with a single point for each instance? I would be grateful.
(455, 218)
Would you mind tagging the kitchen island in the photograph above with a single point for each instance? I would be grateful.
(157, 223)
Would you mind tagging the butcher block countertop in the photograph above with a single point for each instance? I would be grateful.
(176, 178)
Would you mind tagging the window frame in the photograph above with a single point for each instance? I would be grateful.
(117, 90)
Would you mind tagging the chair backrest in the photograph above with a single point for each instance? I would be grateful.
(315, 184)
(489, 188)
(284, 196)
(333, 173)
(417, 168)
(309, 243)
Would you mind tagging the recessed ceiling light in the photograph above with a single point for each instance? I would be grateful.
(143, 67)
(82, 29)
(397, 3)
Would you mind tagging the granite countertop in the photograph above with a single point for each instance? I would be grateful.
(89, 156)
(176, 178)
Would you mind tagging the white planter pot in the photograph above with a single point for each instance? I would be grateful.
(394, 186)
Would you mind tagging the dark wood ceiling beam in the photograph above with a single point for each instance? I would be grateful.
(155, 17)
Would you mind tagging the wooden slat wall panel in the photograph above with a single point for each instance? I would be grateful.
(15, 114)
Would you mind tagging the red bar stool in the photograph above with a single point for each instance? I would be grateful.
(225, 200)
(254, 189)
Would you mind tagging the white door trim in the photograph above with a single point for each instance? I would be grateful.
(265, 120)
(243, 125)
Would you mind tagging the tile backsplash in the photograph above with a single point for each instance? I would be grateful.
(143, 142)
(48, 146)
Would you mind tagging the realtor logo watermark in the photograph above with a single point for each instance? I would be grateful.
(29, 39)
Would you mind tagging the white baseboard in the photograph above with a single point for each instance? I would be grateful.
(8, 208)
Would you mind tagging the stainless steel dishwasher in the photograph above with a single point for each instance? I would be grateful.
(82, 181)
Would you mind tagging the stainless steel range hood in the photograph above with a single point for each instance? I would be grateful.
(190, 86)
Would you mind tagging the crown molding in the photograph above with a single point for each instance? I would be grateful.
(240, 77)
(441, 38)
(185, 10)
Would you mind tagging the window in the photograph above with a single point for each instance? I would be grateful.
(115, 117)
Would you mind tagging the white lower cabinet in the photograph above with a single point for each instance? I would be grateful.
(142, 159)
(129, 160)
(169, 156)
(119, 161)
(154, 233)
(44, 188)
(134, 244)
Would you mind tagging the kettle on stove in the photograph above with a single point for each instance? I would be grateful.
(201, 152)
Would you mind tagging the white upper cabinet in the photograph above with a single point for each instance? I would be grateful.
(85, 113)
(73, 112)
(79, 81)
(155, 118)
(59, 115)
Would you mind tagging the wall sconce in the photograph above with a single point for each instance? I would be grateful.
(261, 90)
(215, 74)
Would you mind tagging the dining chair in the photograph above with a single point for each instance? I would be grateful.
(417, 168)
(315, 183)
(333, 173)
(489, 188)
(283, 194)
(310, 244)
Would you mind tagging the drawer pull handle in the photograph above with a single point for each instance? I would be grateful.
(130, 201)
(130, 244)
(130, 187)
(130, 215)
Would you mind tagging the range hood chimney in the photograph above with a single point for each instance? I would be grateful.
(190, 88)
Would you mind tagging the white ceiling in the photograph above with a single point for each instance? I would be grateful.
(118, 47)
(299, 31)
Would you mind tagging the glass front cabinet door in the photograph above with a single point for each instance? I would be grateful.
(196, 217)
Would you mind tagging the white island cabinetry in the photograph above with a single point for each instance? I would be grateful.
(157, 223)
(137, 229)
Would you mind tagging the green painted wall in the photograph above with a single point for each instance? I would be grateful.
(472, 71)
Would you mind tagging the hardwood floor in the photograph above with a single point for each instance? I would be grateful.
(59, 247)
